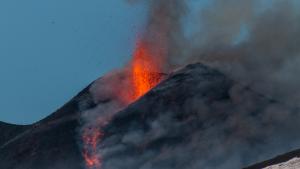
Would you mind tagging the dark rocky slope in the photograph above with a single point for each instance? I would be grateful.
(48, 144)
(199, 118)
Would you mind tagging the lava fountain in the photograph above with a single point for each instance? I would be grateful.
(144, 71)
(142, 74)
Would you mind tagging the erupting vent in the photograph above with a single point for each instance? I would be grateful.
(144, 71)
(143, 74)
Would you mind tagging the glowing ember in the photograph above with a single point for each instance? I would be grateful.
(91, 137)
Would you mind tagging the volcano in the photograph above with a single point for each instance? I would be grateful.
(196, 118)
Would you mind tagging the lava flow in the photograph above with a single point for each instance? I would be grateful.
(90, 137)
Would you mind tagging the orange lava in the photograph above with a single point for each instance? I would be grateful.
(90, 138)
(144, 71)
(143, 74)
(91, 161)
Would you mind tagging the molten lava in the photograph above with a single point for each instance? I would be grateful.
(143, 74)
(144, 71)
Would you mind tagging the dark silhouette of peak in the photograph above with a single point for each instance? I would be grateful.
(49, 143)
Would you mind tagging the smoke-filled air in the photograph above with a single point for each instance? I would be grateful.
(250, 49)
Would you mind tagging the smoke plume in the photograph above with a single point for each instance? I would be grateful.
(255, 43)
(257, 39)
(199, 118)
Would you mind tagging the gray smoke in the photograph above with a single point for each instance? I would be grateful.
(199, 118)
(164, 31)
(107, 93)
(258, 41)
(254, 43)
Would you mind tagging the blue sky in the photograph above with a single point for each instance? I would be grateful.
(50, 50)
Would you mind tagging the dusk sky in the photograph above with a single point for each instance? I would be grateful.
(50, 50)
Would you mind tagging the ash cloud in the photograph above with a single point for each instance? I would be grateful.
(253, 43)
(199, 118)
(257, 39)
(163, 30)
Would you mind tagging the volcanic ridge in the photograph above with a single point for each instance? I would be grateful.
(197, 117)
